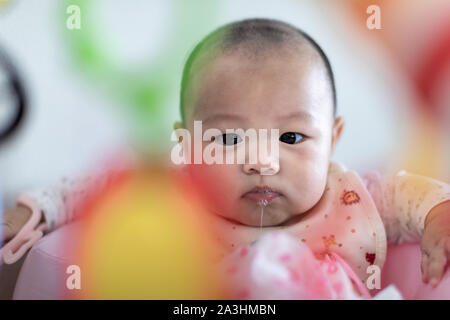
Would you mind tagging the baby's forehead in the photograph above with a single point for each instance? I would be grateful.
(275, 85)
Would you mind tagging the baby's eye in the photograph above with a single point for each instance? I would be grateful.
(228, 139)
(291, 137)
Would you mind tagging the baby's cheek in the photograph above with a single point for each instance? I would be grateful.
(309, 182)
(219, 184)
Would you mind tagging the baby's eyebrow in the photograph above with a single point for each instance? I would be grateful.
(298, 115)
(219, 117)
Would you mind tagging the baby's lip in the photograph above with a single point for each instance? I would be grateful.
(262, 194)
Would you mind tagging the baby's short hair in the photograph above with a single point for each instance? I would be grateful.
(251, 37)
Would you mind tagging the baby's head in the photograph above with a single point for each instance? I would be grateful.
(263, 74)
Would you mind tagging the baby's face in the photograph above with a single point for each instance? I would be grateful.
(287, 93)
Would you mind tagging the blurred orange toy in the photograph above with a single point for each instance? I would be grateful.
(144, 238)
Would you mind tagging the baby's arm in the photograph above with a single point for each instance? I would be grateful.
(404, 201)
(46, 209)
(415, 208)
(59, 203)
(63, 202)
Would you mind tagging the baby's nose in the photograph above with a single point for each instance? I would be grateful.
(268, 166)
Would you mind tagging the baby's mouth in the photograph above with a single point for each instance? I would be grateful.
(262, 194)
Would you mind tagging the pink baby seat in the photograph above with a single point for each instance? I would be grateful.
(43, 273)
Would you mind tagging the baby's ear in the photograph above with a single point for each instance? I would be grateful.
(178, 125)
(338, 126)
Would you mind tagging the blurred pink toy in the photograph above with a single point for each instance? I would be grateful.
(279, 266)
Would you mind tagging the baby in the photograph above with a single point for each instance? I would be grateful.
(266, 74)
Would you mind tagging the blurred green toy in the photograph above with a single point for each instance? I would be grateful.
(146, 92)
